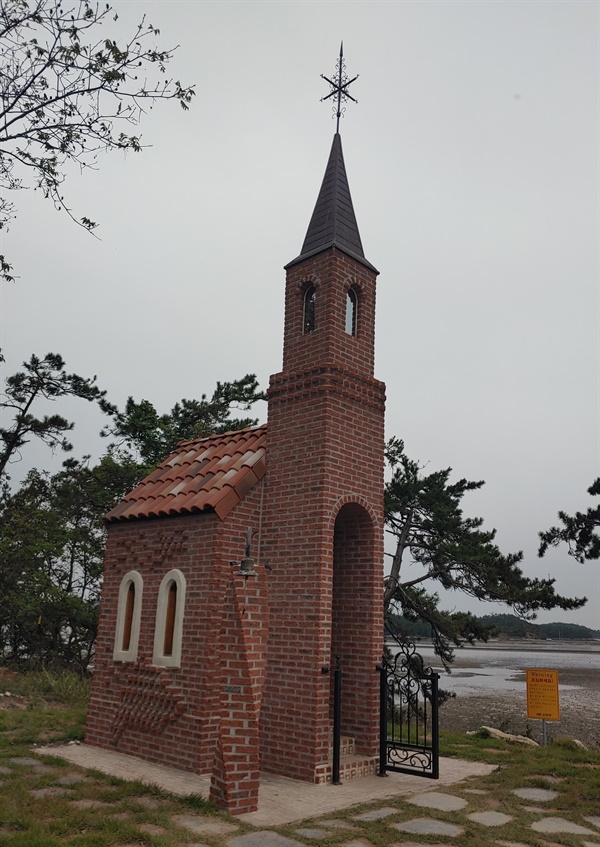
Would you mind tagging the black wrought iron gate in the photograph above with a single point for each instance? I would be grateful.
(409, 738)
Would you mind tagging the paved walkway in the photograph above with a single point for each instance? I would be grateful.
(280, 800)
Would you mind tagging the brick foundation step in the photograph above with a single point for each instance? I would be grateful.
(347, 747)
(352, 766)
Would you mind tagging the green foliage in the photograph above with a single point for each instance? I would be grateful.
(41, 379)
(482, 732)
(497, 624)
(519, 628)
(68, 89)
(568, 744)
(424, 516)
(578, 532)
(146, 437)
(51, 552)
(406, 629)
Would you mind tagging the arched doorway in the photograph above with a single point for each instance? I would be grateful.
(357, 634)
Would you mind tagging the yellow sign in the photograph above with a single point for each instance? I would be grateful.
(542, 695)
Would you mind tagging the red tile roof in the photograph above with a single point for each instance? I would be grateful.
(208, 474)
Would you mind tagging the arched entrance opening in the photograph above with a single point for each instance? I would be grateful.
(356, 623)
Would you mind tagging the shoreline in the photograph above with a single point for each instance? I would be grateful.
(523, 645)
(579, 692)
(508, 712)
(491, 691)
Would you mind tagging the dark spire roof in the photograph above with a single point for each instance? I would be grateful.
(333, 223)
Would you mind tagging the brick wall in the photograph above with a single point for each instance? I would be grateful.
(127, 697)
(243, 639)
(325, 451)
(163, 714)
(332, 273)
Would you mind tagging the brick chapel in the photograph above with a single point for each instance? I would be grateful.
(221, 668)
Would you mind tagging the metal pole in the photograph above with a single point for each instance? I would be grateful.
(382, 718)
(544, 736)
(435, 737)
(337, 721)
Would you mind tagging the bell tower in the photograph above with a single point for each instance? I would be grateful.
(323, 527)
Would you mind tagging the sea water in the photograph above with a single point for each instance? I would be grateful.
(481, 669)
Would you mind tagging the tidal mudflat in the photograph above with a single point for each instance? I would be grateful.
(489, 683)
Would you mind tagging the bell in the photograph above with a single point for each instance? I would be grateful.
(247, 568)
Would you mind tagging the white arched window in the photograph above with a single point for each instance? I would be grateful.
(129, 614)
(169, 620)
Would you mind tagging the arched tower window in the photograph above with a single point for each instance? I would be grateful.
(129, 613)
(351, 311)
(169, 620)
(308, 316)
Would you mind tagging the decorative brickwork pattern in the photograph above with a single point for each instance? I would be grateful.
(148, 700)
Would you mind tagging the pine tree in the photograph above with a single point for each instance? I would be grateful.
(445, 548)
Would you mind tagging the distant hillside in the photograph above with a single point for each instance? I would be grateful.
(507, 626)
(510, 625)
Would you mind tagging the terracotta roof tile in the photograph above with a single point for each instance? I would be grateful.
(226, 503)
(246, 479)
(208, 474)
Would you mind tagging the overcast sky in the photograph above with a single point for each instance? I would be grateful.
(472, 157)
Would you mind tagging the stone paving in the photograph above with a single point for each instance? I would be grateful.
(429, 826)
(281, 800)
(560, 825)
(416, 818)
(490, 818)
(436, 800)
(540, 795)
(377, 814)
(205, 824)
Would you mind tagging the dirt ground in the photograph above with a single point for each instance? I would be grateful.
(579, 711)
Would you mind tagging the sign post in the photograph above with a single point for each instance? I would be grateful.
(542, 697)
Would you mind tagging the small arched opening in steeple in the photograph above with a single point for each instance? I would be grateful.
(308, 310)
(351, 310)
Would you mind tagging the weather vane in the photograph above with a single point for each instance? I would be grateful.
(339, 87)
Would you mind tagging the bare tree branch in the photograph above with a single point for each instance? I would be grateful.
(64, 96)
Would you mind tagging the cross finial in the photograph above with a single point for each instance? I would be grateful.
(339, 87)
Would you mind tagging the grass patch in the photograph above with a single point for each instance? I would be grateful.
(29, 821)
(40, 725)
(50, 708)
(51, 686)
(197, 803)
(478, 748)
